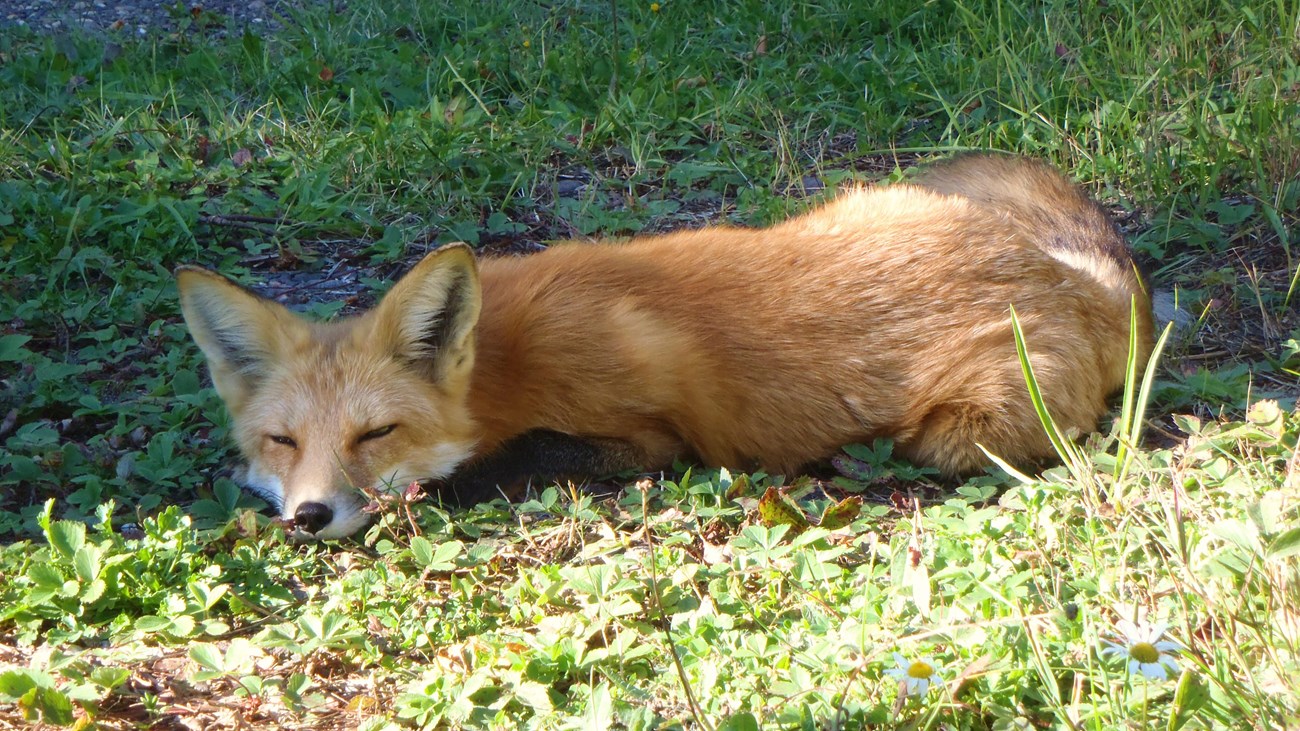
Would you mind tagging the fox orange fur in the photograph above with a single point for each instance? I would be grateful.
(884, 313)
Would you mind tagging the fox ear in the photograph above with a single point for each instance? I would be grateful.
(428, 317)
(240, 333)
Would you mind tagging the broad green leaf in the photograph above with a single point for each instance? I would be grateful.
(421, 550)
(83, 692)
(1285, 545)
(152, 623)
(534, 695)
(49, 705)
(109, 677)
(91, 591)
(11, 347)
(599, 708)
(185, 383)
(207, 656)
(86, 563)
(45, 576)
(67, 536)
(444, 558)
(1189, 696)
(182, 626)
(16, 683)
(240, 655)
(743, 721)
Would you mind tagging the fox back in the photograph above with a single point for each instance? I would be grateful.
(884, 313)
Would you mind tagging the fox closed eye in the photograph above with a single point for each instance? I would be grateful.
(283, 440)
(382, 431)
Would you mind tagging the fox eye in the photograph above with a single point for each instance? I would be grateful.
(382, 431)
(283, 440)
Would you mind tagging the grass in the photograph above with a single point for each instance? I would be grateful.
(139, 586)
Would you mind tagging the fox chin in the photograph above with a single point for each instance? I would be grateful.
(883, 313)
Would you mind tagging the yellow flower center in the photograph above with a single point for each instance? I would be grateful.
(919, 670)
(654, 7)
(1144, 652)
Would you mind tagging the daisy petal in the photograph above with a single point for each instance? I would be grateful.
(1114, 649)
(1154, 670)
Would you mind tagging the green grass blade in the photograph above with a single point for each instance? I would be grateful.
(1065, 449)
(1130, 384)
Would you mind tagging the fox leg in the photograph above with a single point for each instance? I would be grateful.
(949, 435)
(547, 454)
(1003, 421)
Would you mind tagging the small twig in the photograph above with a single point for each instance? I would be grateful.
(1208, 355)
(1152, 425)
(247, 628)
(235, 223)
(663, 618)
(276, 220)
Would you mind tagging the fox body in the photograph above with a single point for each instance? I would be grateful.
(884, 313)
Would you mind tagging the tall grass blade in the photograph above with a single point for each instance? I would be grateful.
(1133, 429)
(1070, 455)
(1130, 385)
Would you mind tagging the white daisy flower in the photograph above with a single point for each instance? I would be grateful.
(1145, 650)
(915, 676)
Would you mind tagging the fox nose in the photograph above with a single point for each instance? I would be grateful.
(312, 517)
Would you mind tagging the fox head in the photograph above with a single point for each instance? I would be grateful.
(323, 410)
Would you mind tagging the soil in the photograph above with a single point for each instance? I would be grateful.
(143, 17)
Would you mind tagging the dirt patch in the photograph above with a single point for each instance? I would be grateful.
(143, 17)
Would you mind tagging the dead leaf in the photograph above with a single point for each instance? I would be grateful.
(899, 501)
(714, 554)
(1267, 416)
(242, 157)
(841, 513)
(739, 486)
(969, 674)
(202, 148)
(363, 704)
(775, 508)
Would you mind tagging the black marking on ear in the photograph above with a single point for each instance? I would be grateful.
(233, 348)
(441, 326)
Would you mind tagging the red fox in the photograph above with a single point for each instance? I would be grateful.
(884, 313)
